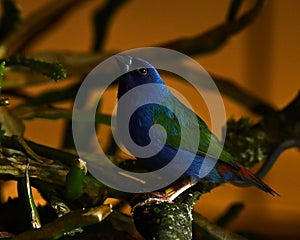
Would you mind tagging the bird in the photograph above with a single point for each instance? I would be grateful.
(139, 72)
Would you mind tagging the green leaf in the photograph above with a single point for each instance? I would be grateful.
(2, 67)
(74, 181)
(10, 18)
(54, 71)
(35, 218)
(3, 100)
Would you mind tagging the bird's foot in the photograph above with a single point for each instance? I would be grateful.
(153, 197)
(167, 195)
(158, 197)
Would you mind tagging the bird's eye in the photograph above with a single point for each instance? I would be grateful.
(142, 71)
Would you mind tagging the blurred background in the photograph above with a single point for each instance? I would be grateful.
(263, 59)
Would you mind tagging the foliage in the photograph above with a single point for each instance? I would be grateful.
(75, 199)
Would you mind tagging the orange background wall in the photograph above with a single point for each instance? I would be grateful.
(264, 59)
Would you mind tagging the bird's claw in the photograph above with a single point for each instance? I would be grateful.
(158, 197)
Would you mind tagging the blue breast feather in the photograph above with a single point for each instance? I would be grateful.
(140, 123)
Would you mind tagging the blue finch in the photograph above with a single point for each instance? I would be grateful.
(227, 169)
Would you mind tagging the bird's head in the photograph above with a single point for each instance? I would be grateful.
(138, 72)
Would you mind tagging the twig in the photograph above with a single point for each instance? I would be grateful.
(267, 165)
(28, 151)
(27, 112)
(230, 214)
(82, 63)
(68, 222)
(13, 166)
(213, 231)
(275, 133)
(242, 96)
(215, 38)
(101, 19)
(36, 23)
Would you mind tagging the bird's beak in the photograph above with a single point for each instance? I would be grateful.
(124, 62)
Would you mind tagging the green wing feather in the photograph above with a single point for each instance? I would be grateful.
(166, 117)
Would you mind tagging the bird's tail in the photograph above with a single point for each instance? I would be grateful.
(248, 177)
